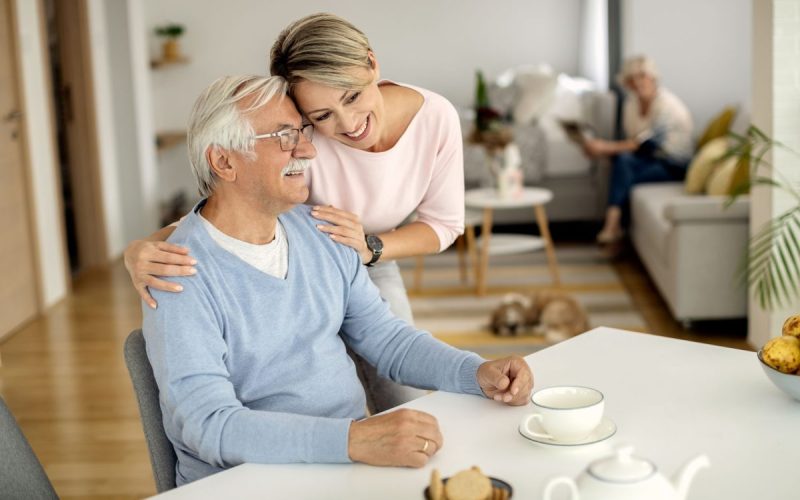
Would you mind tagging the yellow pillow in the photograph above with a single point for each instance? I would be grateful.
(741, 175)
(719, 183)
(703, 165)
(718, 127)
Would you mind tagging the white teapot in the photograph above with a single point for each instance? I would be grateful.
(624, 477)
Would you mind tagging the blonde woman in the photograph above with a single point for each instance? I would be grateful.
(385, 151)
(658, 144)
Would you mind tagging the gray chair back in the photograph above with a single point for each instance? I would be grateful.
(162, 454)
(21, 475)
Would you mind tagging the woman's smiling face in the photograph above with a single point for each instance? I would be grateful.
(352, 117)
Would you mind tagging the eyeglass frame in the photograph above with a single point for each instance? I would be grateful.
(292, 136)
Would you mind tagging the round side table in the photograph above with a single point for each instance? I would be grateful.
(488, 200)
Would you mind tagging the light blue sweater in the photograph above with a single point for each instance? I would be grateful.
(252, 368)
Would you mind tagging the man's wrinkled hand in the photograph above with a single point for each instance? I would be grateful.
(406, 438)
(508, 380)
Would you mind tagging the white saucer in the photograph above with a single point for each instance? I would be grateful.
(604, 430)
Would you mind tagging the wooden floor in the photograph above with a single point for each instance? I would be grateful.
(64, 378)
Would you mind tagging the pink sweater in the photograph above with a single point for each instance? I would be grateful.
(424, 171)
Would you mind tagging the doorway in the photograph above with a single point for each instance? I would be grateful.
(71, 69)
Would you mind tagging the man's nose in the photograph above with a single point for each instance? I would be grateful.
(304, 148)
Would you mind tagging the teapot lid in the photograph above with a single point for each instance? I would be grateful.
(622, 467)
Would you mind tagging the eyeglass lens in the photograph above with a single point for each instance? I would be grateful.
(289, 141)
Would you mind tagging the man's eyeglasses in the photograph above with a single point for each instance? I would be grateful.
(290, 136)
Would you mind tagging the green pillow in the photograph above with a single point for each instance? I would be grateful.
(719, 127)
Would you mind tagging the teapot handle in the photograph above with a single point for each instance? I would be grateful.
(554, 483)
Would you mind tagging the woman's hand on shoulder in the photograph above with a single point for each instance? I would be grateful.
(345, 228)
(147, 260)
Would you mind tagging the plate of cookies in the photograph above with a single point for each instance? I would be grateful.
(470, 484)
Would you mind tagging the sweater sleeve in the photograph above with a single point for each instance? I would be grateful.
(442, 206)
(187, 349)
(398, 350)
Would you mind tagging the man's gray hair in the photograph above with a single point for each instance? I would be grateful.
(218, 120)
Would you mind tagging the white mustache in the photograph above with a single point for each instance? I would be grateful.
(296, 165)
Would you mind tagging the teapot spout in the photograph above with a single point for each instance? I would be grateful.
(683, 478)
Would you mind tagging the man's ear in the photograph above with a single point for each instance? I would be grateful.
(222, 164)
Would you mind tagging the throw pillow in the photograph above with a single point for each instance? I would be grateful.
(718, 127)
(741, 176)
(719, 184)
(536, 88)
(703, 164)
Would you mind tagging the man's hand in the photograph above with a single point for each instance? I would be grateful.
(508, 380)
(406, 438)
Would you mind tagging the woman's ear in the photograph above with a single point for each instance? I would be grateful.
(373, 63)
(221, 163)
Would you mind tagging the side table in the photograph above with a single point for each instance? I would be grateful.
(488, 200)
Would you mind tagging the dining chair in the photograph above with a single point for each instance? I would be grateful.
(162, 454)
(21, 474)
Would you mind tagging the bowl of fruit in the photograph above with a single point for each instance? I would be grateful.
(780, 358)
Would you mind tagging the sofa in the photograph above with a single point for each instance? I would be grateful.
(692, 247)
(534, 100)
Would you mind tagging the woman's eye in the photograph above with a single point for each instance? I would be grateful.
(322, 117)
(353, 98)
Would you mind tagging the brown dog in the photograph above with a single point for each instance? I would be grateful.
(554, 315)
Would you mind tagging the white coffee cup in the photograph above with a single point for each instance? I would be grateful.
(566, 413)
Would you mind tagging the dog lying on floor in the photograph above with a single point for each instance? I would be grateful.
(554, 315)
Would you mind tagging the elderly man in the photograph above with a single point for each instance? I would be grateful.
(249, 359)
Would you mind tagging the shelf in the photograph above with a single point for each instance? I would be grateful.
(161, 63)
(166, 140)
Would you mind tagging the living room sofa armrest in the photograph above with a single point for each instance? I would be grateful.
(707, 209)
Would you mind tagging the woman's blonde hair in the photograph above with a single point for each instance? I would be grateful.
(321, 48)
(637, 64)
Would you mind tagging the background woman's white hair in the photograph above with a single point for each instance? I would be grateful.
(637, 64)
(218, 120)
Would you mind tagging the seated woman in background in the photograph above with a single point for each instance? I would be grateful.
(658, 144)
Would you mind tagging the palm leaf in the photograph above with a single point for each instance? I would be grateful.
(771, 263)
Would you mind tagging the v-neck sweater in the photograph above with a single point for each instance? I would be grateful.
(253, 368)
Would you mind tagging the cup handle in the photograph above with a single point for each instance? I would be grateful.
(554, 483)
(535, 416)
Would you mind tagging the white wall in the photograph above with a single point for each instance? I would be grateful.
(42, 155)
(134, 219)
(702, 48)
(99, 35)
(776, 110)
(437, 45)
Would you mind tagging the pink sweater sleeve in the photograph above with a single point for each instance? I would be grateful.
(442, 206)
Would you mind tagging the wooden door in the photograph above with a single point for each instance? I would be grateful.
(18, 281)
(79, 125)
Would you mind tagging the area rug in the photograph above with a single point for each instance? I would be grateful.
(452, 312)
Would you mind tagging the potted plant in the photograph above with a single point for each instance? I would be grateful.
(772, 262)
(171, 50)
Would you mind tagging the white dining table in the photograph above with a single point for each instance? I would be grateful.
(670, 399)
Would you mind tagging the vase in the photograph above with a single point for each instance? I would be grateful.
(171, 50)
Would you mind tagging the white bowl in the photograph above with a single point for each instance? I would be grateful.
(787, 382)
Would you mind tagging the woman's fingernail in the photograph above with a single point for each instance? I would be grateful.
(152, 305)
(178, 288)
(193, 261)
(192, 271)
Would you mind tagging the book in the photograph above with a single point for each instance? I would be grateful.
(576, 131)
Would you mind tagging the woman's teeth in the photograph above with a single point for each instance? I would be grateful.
(360, 131)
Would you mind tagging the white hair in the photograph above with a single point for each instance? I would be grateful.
(217, 120)
(637, 64)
